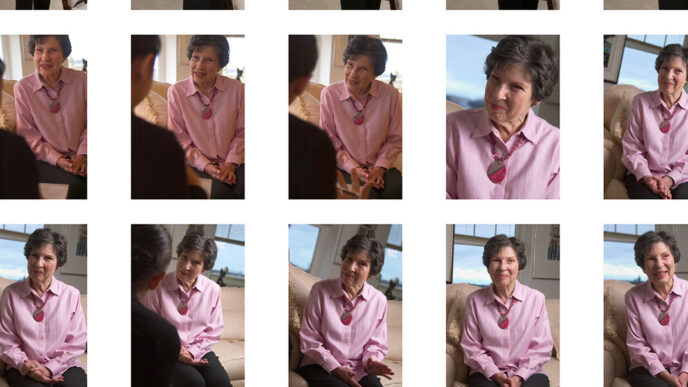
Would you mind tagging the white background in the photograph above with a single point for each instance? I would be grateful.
(422, 25)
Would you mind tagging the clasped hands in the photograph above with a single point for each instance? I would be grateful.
(39, 373)
(77, 165)
(371, 366)
(659, 185)
(674, 381)
(224, 173)
(504, 381)
(371, 178)
(373, 175)
(186, 357)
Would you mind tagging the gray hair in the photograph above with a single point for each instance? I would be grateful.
(644, 244)
(670, 51)
(368, 244)
(197, 242)
(44, 236)
(495, 244)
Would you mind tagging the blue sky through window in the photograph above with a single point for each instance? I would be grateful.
(302, 241)
(230, 255)
(619, 262)
(393, 262)
(465, 76)
(468, 265)
(13, 262)
(638, 66)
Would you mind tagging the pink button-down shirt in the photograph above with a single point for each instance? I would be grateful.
(200, 328)
(649, 152)
(52, 135)
(57, 341)
(374, 143)
(520, 349)
(219, 139)
(532, 170)
(650, 344)
(326, 341)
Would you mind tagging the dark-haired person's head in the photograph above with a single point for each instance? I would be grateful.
(303, 55)
(151, 252)
(144, 49)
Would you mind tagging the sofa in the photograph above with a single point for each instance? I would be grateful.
(617, 103)
(82, 359)
(300, 284)
(457, 372)
(230, 349)
(616, 359)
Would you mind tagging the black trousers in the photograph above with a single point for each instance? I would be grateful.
(535, 380)
(208, 375)
(33, 4)
(73, 377)
(519, 4)
(360, 4)
(220, 190)
(316, 376)
(673, 4)
(638, 189)
(205, 4)
(53, 174)
(392, 189)
(640, 377)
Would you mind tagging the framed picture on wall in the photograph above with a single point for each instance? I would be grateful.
(545, 256)
(613, 53)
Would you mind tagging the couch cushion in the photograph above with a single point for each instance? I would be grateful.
(8, 114)
(397, 377)
(457, 311)
(300, 284)
(453, 107)
(306, 107)
(394, 330)
(233, 313)
(552, 305)
(619, 122)
(153, 109)
(613, 96)
(551, 368)
(231, 354)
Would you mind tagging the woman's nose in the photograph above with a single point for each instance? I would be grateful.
(501, 92)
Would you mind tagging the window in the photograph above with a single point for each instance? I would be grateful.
(631, 229)
(230, 241)
(619, 257)
(465, 76)
(638, 61)
(393, 265)
(237, 57)
(302, 241)
(395, 60)
(12, 240)
(80, 43)
(467, 258)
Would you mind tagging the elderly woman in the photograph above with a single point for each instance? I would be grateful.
(42, 325)
(154, 341)
(363, 118)
(503, 150)
(336, 308)
(506, 337)
(206, 113)
(51, 114)
(191, 302)
(657, 339)
(655, 144)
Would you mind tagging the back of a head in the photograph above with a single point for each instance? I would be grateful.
(151, 251)
(142, 45)
(303, 55)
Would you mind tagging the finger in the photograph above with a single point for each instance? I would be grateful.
(355, 182)
(365, 192)
(354, 383)
(385, 375)
(340, 179)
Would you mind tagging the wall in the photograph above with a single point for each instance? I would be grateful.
(539, 273)
(680, 232)
(74, 272)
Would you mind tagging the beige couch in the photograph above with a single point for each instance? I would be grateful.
(616, 360)
(8, 113)
(153, 108)
(300, 284)
(457, 372)
(617, 103)
(82, 359)
(230, 349)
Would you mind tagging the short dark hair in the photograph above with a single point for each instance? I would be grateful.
(44, 236)
(303, 55)
(2, 68)
(218, 42)
(371, 47)
(644, 244)
(495, 244)
(368, 244)
(197, 242)
(537, 57)
(142, 45)
(65, 44)
(669, 51)
(151, 252)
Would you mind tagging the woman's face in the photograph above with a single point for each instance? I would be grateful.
(355, 269)
(659, 264)
(42, 263)
(672, 76)
(205, 65)
(359, 73)
(189, 266)
(48, 57)
(509, 94)
(503, 267)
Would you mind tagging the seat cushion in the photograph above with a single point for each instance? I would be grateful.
(307, 108)
(233, 313)
(396, 378)
(8, 114)
(231, 354)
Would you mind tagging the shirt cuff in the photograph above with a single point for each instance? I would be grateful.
(349, 166)
(384, 163)
(675, 176)
(52, 156)
(196, 351)
(656, 367)
(200, 163)
(524, 373)
(55, 367)
(376, 356)
(236, 159)
(642, 172)
(81, 150)
(330, 365)
(490, 370)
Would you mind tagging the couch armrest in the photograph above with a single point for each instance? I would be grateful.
(614, 363)
(295, 355)
(295, 380)
(456, 355)
(451, 371)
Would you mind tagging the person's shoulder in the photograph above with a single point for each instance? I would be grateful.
(76, 75)
(179, 87)
(325, 286)
(464, 119)
(333, 89)
(645, 96)
(68, 290)
(387, 88)
(25, 83)
(145, 129)
(299, 127)
(375, 294)
(533, 294)
(232, 83)
(209, 284)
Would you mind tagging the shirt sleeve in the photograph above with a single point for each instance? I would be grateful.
(540, 347)
(73, 344)
(10, 343)
(82, 149)
(552, 190)
(634, 151)
(236, 147)
(176, 123)
(312, 342)
(389, 151)
(376, 347)
(26, 127)
(638, 347)
(451, 166)
(474, 354)
(327, 121)
(211, 334)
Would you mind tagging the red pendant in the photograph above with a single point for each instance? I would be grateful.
(496, 171)
(183, 308)
(38, 315)
(664, 318)
(664, 126)
(359, 118)
(503, 322)
(54, 106)
(206, 112)
(346, 317)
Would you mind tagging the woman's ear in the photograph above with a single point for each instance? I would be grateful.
(536, 103)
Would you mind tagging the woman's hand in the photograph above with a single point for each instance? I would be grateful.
(378, 368)
(39, 373)
(79, 165)
(361, 173)
(213, 170)
(353, 190)
(186, 357)
(226, 173)
(683, 379)
(65, 164)
(664, 185)
(653, 182)
(347, 375)
(515, 381)
(375, 176)
(670, 379)
(501, 379)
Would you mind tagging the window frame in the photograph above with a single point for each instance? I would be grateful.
(398, 248)
(230, 241)
(471, 240)
(318, 244)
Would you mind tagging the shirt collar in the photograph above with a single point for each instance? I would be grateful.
(365, 292)
(519, 294)
(682, 100)
(678, 289)
(373, 92)
(220, 85)
(55, 288)
(65, 77)
(529, 129)
(172, 285)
